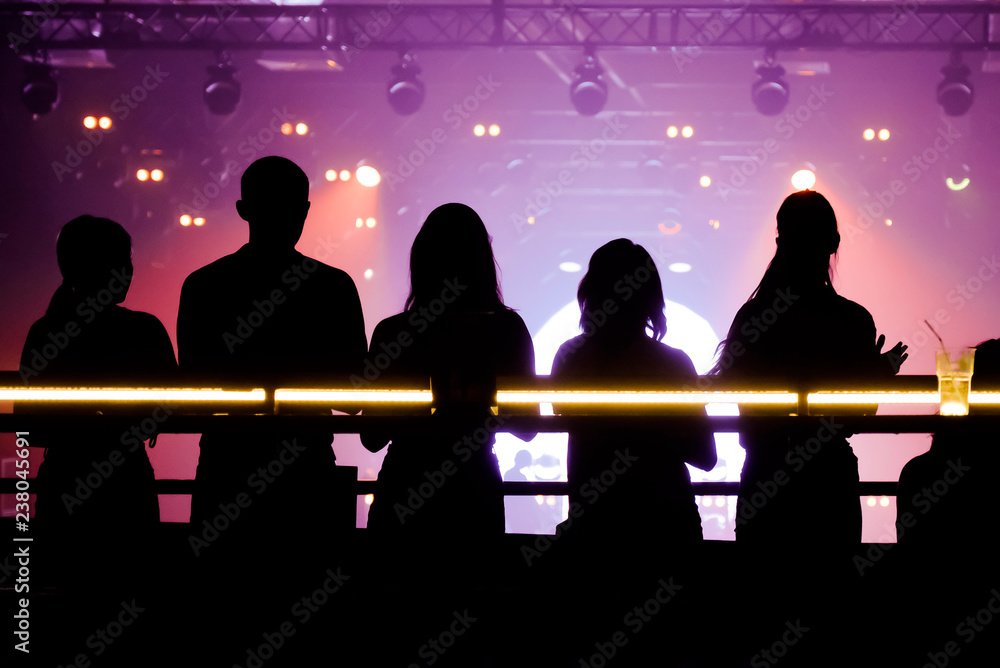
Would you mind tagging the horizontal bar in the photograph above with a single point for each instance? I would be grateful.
(644, 397)
(354, 396)
(80, 394)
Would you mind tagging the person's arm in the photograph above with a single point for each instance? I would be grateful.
(698, 450)
(374, 440)
(524, 365)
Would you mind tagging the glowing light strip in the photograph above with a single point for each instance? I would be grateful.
(984, 398)
(124, 394)
(355, 396)
(639, 397)
(900, 397)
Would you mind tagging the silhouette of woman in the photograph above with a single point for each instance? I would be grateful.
(798, 509)
(97, 505)
(795, 328)
(457, 331)
(656, 495)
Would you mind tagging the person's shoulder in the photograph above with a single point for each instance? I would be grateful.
(326, 271)
(389, 328)
(223, 266)
(674, 358)
(853, 312)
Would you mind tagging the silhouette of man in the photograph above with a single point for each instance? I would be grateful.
(268, 314)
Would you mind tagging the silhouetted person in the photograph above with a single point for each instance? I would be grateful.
(798, 508)
(269, 314)
(438, 516)
(633, 517)
(521, 512)
(97, 510)
(946, 542)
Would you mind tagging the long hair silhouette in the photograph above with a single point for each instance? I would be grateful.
(89, 251)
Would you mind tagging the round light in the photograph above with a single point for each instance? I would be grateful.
(679, 267)
(479, 130)
(888, 222)
(370, 223)
(803, 179)
(770, 92)
(301, 128)
(142, 175)
(687, 132)
(720, 501)
(868, 134)
(331, 63)
(104, 122)
(90, 122)
(883, 134)
(705, 181)
(286, 128)
(368, 176)
(369, 498)
(871, 502)
(345, 175)
(494, 130)
(358, 222)
(672, 131)
(331, 175)
(156, 175)
(531, 220)
(185, 220)
(588, 91)
(714, 223)
(199, 221)
(570, 267)
(368, 274)
(884, 502)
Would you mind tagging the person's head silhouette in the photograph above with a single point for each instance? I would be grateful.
(95, 259)
(453, 248)
(621, 293)
(275, 202)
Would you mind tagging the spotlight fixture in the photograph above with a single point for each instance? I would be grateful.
(770, 91)
(954, 93)
(222, 91)
(39, 92)
(588, 91)
(405, 91)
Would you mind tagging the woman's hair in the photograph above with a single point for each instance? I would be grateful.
(807, 240)
(88, 251)
(622, 273)
(452, 260)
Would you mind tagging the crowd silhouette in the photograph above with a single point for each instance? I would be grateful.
(433, 584)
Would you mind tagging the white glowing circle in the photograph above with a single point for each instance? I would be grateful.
(868, 134)
(679, 267)
(479, 130)
(494, 130)
(142, 175)
(331, 175)
(368, 274)
(90, 122)
(570, 267)
(367, 176)
(301, 128)
(345, 175)
(156, 175)
(104, 122)
(185, 220)
(883, 134)
(705, 181)
(370, 223)
(672, 131)
(803, 179)
(687, 132)
(198, 222)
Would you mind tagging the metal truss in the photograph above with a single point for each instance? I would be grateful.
(905, 26)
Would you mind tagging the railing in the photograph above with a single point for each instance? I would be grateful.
(658, 406)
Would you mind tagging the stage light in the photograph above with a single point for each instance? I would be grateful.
(367, 176)
(588, 91)
(888, 222)
(494, 130)
(104, 122)
(286, 128)
(345, 175)
(142, 175)
(222, 91)
(705, 181)
(39, 92)
(672, 131)
(714, 223)
(479, 130)
(720, 502)
(156, 175)
(370, 223)
(301, 129)
(531, 220)
(331, 175)
(369, 498)
(185, 220)
(883, 135)
(955, 93)
(871, 501)
(770, 92)
(570, 267)
(406, 91)
(868, 134)
(90, 122)
(957, 185)
(358, 222)
(884, 502)
(687, 132)
(368, 274)
(679, 267)
(199, 221)
(803, 179)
